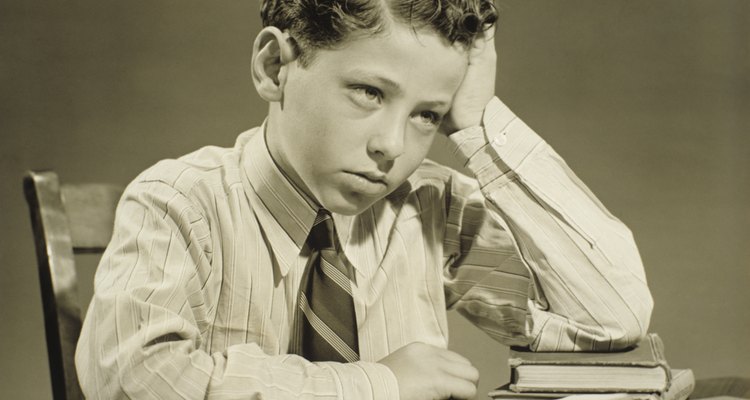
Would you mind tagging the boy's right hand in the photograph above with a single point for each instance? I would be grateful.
(426, 372)
(477, 87)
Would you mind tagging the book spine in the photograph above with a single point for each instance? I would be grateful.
(657, 348)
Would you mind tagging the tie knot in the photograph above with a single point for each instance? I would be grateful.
(323, 233)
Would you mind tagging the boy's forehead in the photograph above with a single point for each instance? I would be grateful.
(399, 59)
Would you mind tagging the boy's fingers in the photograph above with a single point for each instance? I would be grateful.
(458, 366)
(462, 371)
(484, 39)
(455, 357)
(460, 389)
(489, 33)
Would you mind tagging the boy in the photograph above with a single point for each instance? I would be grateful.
(316, 258)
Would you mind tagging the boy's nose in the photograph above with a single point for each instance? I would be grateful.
(387, 143)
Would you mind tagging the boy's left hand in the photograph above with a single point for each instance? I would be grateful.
(477, 87)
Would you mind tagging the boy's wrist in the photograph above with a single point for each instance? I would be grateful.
(493, 141)
(362, 380)
(469, 120)
(462, 123)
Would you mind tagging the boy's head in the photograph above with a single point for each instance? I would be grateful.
(358, 89)
(321, 24)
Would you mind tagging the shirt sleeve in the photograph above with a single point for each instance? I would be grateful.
(534, 258)
(144, 335)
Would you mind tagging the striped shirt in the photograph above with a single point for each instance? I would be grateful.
(195, 295)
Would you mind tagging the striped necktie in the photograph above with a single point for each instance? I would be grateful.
(326, 320)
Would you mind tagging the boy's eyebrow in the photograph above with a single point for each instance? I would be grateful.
(383, 81)
(437, 104)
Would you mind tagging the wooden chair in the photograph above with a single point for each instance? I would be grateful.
(66, 220)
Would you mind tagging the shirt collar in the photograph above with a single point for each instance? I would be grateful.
(285, 204)
(290, 214)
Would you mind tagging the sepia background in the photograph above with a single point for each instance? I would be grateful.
(648, 101)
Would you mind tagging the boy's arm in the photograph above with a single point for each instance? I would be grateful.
(146, 329)
(565, 273)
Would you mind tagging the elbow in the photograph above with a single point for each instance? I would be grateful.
(617, 329)
(606, 330)
(644, 316)
(629, 321)
(630, 328)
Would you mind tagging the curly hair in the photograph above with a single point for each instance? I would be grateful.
(322, 24)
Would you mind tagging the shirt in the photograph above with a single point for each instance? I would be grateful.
(195, 295)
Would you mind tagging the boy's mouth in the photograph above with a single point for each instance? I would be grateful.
(367, 183)
(375, 177)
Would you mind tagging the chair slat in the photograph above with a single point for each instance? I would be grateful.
(91, 213)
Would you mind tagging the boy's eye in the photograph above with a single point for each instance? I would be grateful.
(371, 93)
(368, 94)
(429, 118)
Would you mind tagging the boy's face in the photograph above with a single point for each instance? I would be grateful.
(356, 122)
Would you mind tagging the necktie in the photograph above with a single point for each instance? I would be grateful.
(326, 325)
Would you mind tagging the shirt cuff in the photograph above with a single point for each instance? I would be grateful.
(365, 380)
(498, 146)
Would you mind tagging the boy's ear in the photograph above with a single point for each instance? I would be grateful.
(272, 51)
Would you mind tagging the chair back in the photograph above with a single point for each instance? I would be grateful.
(66, 220)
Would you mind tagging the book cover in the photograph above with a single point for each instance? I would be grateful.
(683, 383)
(642, 368)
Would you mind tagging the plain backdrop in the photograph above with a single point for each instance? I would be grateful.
(648, 101)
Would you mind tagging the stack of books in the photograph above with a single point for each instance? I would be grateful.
(637, 373)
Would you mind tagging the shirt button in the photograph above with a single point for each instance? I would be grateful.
(500, 140)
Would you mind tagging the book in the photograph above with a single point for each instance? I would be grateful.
(642, 368)
(682, 385)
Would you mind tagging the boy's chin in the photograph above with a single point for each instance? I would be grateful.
(349, 209)
(349, 205)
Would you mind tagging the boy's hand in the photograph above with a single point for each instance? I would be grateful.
(478, 85)
(427, 372)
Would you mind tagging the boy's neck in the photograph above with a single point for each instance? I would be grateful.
(312, 202)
